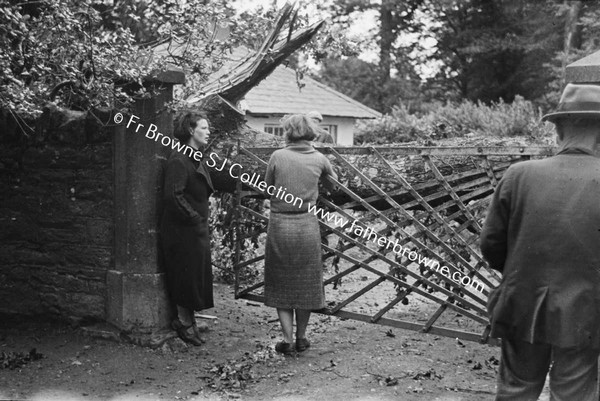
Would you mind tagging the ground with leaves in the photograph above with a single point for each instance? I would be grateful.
(348, 360)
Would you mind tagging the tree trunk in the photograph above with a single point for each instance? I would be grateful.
(387, 37)
(572, 38)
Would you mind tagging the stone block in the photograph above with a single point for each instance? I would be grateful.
(81, 207)
(584, 70)
(85, 306)
(100, 232)
(137, 302)
(88, 256)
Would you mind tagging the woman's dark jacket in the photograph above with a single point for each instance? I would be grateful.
(184, 232)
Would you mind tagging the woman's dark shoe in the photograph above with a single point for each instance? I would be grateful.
(197, 331)
(284, 348)
(187, 334)
(302, 344)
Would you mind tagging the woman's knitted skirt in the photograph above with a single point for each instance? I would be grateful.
(293, 264)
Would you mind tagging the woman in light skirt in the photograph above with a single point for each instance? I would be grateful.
(293, 263)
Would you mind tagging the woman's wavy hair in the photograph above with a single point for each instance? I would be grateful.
(298, 127)
(186, 123)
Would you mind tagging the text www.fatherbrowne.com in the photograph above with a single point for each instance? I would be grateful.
(236, 171)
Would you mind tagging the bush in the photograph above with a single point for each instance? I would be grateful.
(223, 239)
(519, 118)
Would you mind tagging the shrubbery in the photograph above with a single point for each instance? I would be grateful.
(223, 240)
(519, 118)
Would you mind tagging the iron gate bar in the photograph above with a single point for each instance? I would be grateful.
(477, 187)
(425, 185)
(489, 171)
(385, 259)
(436, 215)
(237, 203)
(448, 280)
(358, 294)
(396, 265)
(414, 221)
(414, 241)
(250, 261)
(417, 290)
(452, 192)
(439, 275)
(401, 324)
(432, 151)
(427, 326)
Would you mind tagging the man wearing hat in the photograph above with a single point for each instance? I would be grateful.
(542, 232)
(322, 135)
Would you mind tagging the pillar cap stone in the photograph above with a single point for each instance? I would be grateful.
(585, 70)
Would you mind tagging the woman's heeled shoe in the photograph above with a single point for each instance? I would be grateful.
(186, 333)
(302, 344)
(284, 348)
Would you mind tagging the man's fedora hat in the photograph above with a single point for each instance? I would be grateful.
(577, 101)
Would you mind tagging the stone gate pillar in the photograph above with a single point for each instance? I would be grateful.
(585, 70)
(136, 299)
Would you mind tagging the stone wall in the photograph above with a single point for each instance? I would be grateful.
(56, 216)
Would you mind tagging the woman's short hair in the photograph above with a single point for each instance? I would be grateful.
(298, 127)
(186, 123)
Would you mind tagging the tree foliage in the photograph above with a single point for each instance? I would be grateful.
(83, 54)
(492, 50)
(361, 81)
(484, 50)
(394, 73)
(462, 119)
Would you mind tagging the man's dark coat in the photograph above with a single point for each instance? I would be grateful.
(543, 233)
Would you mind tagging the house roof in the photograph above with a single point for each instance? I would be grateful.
(279, 94)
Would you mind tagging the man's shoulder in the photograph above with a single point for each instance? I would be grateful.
(550, 164)
(526, 166)
(556, 160)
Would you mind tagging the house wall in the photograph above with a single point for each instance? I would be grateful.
(345, 126)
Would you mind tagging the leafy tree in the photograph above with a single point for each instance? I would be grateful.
(581, 37)
(492, 50)
(394, 69)
(84, 54)
(359, 80)
(485, 50)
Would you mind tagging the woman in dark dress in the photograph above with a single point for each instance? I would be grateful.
(293, 264)
(184, 228)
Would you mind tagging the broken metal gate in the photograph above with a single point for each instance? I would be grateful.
(428, 202)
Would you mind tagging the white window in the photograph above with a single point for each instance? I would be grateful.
(274, 129)
(332, 129)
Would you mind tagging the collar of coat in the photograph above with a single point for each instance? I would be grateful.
(301, 146)
(200, 168)
(203, 170)
(576, 151)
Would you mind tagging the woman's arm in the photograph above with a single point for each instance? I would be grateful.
(328, 172)
(270, 174)
(175, 181)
